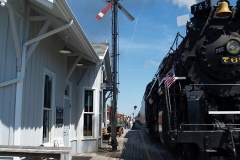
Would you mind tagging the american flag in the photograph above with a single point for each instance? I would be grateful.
(170, 78)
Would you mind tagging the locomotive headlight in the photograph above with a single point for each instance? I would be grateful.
(233, 46)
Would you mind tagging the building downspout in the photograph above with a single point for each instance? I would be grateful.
(19, 81)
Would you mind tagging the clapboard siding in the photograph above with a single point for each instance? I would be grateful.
(3, 43)
(32, 111)
(7, 72)
(74, 100)
(90, 78)
(91, 81)
(45, 56)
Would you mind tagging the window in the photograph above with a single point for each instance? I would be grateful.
(88, 113)
(47, 108)
(100, 113)
(67, 90)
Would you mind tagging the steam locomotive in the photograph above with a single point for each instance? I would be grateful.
(193, 102)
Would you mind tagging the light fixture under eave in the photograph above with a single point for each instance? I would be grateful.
(79, 64)
(65, 50)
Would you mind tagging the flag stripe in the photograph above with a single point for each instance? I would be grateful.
(170, 78)
(101, 14)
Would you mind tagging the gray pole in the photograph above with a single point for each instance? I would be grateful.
(114, 75)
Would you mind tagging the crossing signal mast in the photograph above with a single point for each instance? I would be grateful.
(115, 5)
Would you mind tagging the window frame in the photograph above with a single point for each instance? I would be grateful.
(69, 84)
(89, 113)
(51, 109)
(100, 112)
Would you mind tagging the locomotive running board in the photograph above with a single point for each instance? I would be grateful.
(223, 112)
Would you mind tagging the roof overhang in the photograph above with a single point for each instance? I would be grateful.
(102, 50)
(62, 14)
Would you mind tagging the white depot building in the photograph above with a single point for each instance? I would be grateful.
(50, 78)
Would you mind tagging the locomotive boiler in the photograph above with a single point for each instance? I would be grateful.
(193, 102)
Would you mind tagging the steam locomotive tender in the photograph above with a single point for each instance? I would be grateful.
(198, 115)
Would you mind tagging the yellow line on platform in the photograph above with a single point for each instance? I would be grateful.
(148, 154)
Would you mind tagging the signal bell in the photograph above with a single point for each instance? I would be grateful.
(224, 10)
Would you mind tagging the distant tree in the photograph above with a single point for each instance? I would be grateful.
(135, 107)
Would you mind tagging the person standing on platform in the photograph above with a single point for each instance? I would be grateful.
(125, 123)
(131, 123)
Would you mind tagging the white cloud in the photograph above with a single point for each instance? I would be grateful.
(151, 63)
(158, 46)
(185, 3)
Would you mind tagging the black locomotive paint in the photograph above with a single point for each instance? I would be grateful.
(198, 116)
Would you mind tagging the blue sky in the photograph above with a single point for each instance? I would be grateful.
(142, 43)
